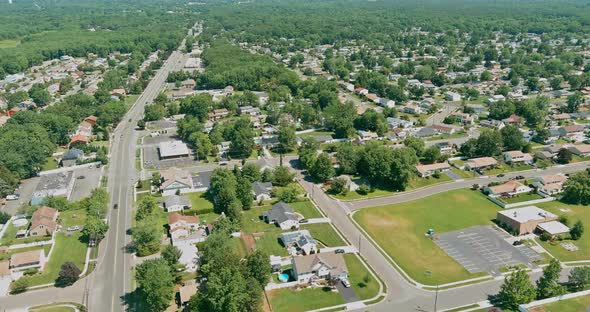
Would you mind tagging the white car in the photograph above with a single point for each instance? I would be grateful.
(346, 283)
(12, 197)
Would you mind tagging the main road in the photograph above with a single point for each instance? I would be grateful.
(108, 286)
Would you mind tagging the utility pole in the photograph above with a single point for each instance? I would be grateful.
(436, 298)
(359, 243)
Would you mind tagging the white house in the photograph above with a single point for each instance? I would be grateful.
(174, 203)
(510, 188)
(299, 242)
(517, 157)
(452, 96)
(261, 191)
(321, 266)
(282, 215)
(550, 184)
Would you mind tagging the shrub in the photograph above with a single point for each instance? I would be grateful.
(31, 271)
(363, 189)
(545, 236)
(19, 286)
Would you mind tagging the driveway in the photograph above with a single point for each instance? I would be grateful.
(452, 175)
(347, 293)
(4, 285)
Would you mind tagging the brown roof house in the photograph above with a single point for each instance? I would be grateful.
(43, 222)
(27, 260)
(182, 226)
(321, 266)
(480, 163)
(550, 184)
(428, 170)
(510, 188)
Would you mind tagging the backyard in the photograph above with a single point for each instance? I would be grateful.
(201, 202)
(400, 230)
(520, 198)
(291, 300)
(307, 209)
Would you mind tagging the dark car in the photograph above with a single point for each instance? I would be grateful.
(519, 177)
(500, 175)
(517, 243)
(115, 206)
(303, 221)
(339, 251)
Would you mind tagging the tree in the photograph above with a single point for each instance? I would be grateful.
(489, 143)
(154, 112)
(338, 186)
(415, 144)
(548, 285)
(40, 95)
(502, 109)
(517, 289)
(244, 192)
(577, 230)
(172, 255)
(579, 278)
(574, 101)
(281, 176)
(257, 266)
(201, 145)
(4, 217)
(340, 118)
(146, 208)
(242, 138)
(287, 138)
(348, 156)
(155, 283)
(68, 274)
(197, 106)
(431, 154)
(564, 156)
(512, 138)
(146, 237)
(308, 152)
(288, 194)
(94, 229)
(322, 169)
(251, 171)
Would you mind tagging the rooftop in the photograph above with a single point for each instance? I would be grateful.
(526, 214)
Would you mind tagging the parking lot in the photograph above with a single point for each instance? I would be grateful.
(151, 159)
(84, 186)
(484, 249)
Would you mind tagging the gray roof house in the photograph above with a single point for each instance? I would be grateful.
(261, 190)
(282, 215)
(70, 157)
(426, 132)
(176, 203)
(299, 242)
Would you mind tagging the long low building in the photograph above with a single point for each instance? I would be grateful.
(428, 170)
(480, 163)
(526, 219)
(174, 149)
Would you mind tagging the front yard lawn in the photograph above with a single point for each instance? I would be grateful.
(270, 243)
(292, 300)
(67, 248)
(507, 168)
(307, 209)
(400, 230)
(418, 182)
(324, 233)
(252, 223)
(49, 164)
(364, 284)
(465, 174)
(574, 214)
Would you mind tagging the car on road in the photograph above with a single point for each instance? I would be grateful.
(12, 197)
(346, 283)
(339, 251)
(116, 206)
(500, 175)
(519, 177)
(82, 177)
(517, 243)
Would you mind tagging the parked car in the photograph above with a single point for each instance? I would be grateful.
(501, 175)
(116, 206)
(82, 177)
(517, 243)
(12, 197)
(346, 283)
(339, 251)
(303, 221)
(519, 177)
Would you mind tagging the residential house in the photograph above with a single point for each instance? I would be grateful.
(425, 132)
(444, 129)
(508, 189)
(493, 124)
(428, 170)
(282, 215)
(386, 102)
(70, 157)
(218, 114)
(27, 260)
(176, 180)
(517, 157)
(367, 136)
(299, 242)
(463, 118)
(480, 163)
(476, 108)
(361, 91)
(319, 266)
(261, 191)
(514, 120)
(452, 96)
(412, 109)
(582, 150)
(182, 226)
(398, 123)
(571, 131)
(188, 84)
(175, 203)
(43, 222)
(550, 184)
(494, 99)
(249, 110)
(444, 147)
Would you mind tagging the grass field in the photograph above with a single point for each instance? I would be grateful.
(507, 168)
(270, 243)
(400, 230)
(570, 305)
(67, 248)
(463, 173)
(307, 209)
(200, 201)
(574, 214)
(289, 300)
(4, 44)
(324, 233)
(365, 286)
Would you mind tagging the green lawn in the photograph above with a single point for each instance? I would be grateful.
(67, 248)
(4, 44)
(418, 182)
(49, 164)
(145, 185)
(521, 198)
(400, 230)
(270, 243)
(364, 284)
(507, 168)
(324, 233)
(130, 99)
(307, 209)
(574, 214)
(200, 201)
(251, 222)
(463, 173)
(570, 305)
(290, 300)
(447, 136)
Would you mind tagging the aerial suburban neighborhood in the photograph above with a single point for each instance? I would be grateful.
(272, 155)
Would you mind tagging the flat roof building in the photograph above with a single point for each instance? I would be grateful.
(174, 149)
(526, 219)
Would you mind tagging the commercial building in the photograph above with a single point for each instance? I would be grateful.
(526, 219)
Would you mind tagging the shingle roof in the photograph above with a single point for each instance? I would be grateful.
(280, 212)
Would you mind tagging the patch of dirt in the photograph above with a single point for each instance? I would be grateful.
(249, 241)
